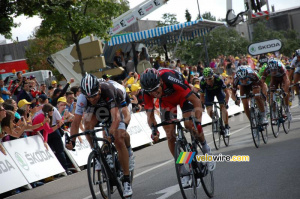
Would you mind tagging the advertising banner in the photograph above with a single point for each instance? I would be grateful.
(264, 47)
(32, 158)
(10, 175)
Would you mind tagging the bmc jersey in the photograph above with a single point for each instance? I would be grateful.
(295, 63)
(252, 78)
(173, 85)
(279, 72)
(218, 84)
(110, 98)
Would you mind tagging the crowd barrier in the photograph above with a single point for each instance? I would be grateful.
(28, 161)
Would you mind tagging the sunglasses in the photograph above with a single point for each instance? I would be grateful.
(208, 78)
(93, 96)
(153, 89)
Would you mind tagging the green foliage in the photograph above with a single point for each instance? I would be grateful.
(290, 38)
(208, 16)
(168, 19)
(188, 15)
(219, 41)
(40, 49)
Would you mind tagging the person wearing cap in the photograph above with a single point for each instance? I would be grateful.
(62, 109)
(136, 97)
(54, 83)
(106, 77)
(196, 89)
(60, 92)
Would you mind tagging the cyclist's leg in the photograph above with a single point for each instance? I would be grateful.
(168, 112)
(90, 121)
(285, 85)
(209, 98)
(221, 99)
(245, 90)
(296, 80)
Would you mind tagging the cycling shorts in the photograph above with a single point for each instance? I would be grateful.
(276, 82)
(210, 96)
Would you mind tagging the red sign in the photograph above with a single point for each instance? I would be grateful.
(8, 67)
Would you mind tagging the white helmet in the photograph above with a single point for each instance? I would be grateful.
(242, 72)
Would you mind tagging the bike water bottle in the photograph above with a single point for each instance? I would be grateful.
(109, 161)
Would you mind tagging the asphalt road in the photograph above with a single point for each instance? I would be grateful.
(273, 170)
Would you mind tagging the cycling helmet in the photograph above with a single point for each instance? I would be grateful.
(150, 79)
(89, 85)
(297, 53)
(208, 72)
(242, 72)
(273, 64)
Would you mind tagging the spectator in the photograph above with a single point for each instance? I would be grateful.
(26, 94)
(54, 84)
(25, 105)
(2, 116)
(52, 134)
(70, 102)
(13, 103)
(118, 59)
(76, 90)
(60, 93)
(43, 88)
(143, 55)
(9, 128)
(62, 109)
(106, 77)
(50, 90)
(130, 65)
(4, 92)
(17, 85)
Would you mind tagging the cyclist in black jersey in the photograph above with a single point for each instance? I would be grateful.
(102, 100)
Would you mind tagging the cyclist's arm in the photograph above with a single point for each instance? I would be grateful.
(151, 118)
(126, 114)
(227, 94)
(115, 119)
(75, 125)
(197, 106)
(202, 98)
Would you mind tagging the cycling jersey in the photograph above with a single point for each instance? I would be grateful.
(295, 63)
(218, 85)
(260, 74)
(281, 71)
(253, 79)
(175, 91)
(110, 98)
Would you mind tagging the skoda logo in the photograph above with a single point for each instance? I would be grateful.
(252, 49)
(22, 162)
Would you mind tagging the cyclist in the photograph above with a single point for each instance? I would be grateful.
(102, 100)
(170, 87)
(248, 80)
(212, 85)
(279, 77)
(295, 66)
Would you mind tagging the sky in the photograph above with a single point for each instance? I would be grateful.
(178, 7)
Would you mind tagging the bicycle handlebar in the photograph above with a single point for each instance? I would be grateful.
(250, 95)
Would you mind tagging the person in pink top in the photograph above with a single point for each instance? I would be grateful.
(47, 112)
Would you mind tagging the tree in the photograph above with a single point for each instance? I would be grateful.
(40, 48)
(208, 16)
(9, 9)
(79, 19)
(168, 19)
(188, 15)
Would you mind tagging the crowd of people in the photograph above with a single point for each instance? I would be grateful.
(28, 107)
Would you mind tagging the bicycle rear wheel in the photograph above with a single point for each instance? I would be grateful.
(98, 180)
(275, 125)
(216, 134)
(254, 127)
(264, 133)
(189, 190)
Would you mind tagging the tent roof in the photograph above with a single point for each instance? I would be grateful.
(167, 34)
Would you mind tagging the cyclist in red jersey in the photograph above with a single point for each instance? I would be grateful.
(170, 87)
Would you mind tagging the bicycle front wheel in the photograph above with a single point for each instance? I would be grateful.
(98, 180)
(225, 139)
(275, 124)
(185, 173)
(286, 124)
(216, 134)
(254, 127)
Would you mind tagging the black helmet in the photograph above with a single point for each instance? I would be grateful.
(89, 85)
(150, 79)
